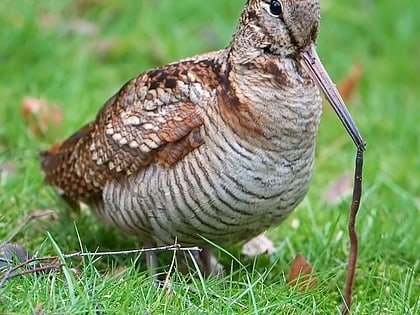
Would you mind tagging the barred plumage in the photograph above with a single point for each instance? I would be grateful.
(225, 186)
(219, 145)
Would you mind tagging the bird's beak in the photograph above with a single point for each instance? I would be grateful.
(313, 65)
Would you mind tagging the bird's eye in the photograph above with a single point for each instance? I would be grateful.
(275, 8)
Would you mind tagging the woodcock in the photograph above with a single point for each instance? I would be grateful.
(218, 146)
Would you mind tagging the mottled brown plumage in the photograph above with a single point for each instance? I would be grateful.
(219, 145)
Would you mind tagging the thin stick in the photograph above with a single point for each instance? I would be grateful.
(357, 193)
(10, 273)
(33, 270)
(175, 247)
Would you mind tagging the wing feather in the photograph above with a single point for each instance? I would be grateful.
(150, 120)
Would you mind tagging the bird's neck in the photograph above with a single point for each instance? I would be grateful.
(269, 97)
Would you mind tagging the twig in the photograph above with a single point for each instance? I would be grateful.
(39, 269)
(171, 268)
(175, 247)
(357, 193)
(10, 273)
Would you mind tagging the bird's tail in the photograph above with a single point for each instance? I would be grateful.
(63, 165)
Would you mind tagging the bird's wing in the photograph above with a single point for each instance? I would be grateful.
(151, 119)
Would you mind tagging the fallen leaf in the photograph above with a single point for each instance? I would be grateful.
(348, 86)
(258, 245)
(40, 116)
(12, 254)
(301, 275)
(338, 190)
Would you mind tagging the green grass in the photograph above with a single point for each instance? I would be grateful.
(71, 70)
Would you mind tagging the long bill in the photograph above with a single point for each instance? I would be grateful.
(313, 65)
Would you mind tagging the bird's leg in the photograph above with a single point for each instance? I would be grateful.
(204, 260)
(210, 264)
(187, 260)
(151, 262)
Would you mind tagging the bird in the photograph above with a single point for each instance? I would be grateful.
(216, 147)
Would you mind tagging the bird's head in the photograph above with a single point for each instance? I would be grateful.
(288, 29)
(278, 27)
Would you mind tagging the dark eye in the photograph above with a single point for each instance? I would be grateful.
(275, 8)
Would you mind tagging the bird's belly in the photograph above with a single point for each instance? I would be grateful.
(218, 196)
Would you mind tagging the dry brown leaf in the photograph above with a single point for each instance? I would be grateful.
(11, 254)
(348, 86)
(338, 190)
(258, 245)
(39, 116)
(301, 274)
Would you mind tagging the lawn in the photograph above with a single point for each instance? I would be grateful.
(73, 55)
